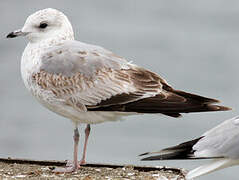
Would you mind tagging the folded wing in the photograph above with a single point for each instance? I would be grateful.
(91, 78)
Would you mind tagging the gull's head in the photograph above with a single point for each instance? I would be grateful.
(45, 24)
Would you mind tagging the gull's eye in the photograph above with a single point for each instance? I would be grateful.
(43, 25)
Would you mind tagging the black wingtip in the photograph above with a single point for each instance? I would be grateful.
(180, 151)
(144, 154)
(11, 35)
(145, 159)
(175, 115)
(223, 108)
(153, 158)
(218, 108)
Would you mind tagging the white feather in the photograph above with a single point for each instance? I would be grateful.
(216, 164)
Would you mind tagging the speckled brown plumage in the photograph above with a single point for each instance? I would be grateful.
(167, 100)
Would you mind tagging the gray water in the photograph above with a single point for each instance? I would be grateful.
(192, 44)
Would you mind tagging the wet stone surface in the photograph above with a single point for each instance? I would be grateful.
(31, 171)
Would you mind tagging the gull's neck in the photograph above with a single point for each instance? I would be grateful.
(52, 41)
(34, 49)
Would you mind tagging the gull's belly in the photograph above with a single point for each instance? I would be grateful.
(48, 100)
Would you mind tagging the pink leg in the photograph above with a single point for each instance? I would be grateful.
(73, 166)
(87, 133)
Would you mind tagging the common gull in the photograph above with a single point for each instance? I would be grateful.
(89, 84)
(220, 144)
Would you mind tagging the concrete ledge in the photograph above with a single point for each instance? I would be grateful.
(33, 169)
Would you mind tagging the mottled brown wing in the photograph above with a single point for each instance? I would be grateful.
(91, 78)
(169, 102)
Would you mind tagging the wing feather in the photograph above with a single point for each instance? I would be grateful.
(93, 76)
(94, 79)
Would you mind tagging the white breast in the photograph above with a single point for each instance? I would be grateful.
(30, 63)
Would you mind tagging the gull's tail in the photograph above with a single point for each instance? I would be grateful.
(215, 165)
